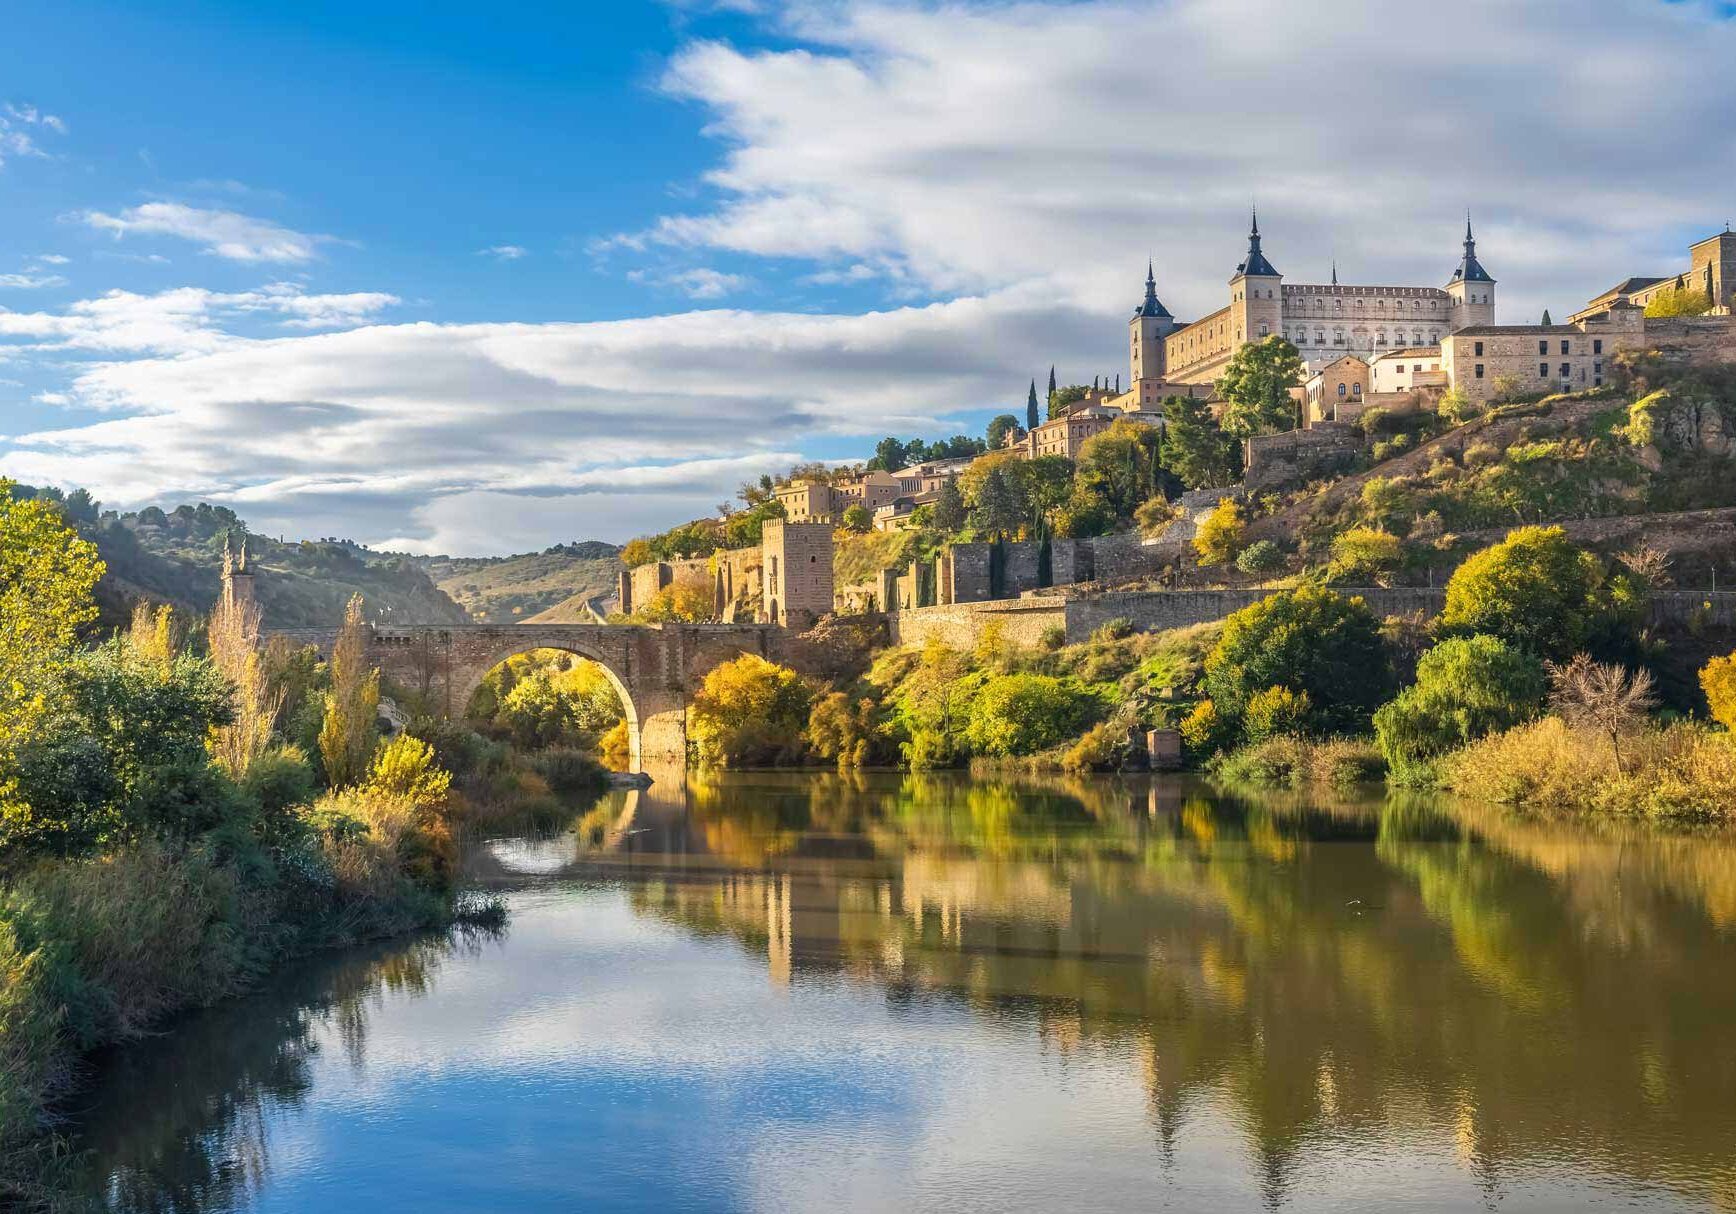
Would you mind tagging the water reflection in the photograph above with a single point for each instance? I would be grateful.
(1319, 1003)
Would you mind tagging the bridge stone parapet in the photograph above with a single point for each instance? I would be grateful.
(655, 667)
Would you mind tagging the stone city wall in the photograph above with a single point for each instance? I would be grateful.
(1023, 621)
(1298, 456)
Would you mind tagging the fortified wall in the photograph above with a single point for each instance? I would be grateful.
(1026, 621)
(1297, 456)
(733, 575)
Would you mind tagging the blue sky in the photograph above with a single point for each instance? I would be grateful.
(477, 280)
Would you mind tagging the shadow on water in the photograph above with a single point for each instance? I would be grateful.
(1333, 971)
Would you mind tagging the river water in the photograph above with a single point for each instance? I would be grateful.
(882, 992)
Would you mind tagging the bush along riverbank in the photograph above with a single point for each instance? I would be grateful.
(1536, 687)
(162, 840)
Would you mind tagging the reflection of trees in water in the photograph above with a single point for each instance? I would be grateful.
(1528, 993)
(179, 1124)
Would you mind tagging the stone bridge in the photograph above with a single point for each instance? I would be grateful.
(654, 667)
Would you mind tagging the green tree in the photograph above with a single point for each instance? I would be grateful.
(1118, 465)
(1260, 557)
(1000, 426)
(1364, 552)
(948, 515)
(889, 455)
(1195, 449)
(351, 726)
(856, 518)
(1046, 483)
(1060, 398)
(48, 578)
(1032, 420)
(1466, 687)
(1534, 589)
(1257, 384)
(1308, 640)
(999, 509)
(1018, 714)
(118, 754)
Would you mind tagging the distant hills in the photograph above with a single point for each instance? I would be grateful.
(176, 557)
(514, 589)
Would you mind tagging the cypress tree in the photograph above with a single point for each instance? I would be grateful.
(1031, 404)
(1546, 319)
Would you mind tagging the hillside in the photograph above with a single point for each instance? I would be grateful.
(516, 588)
(176, 557)
(1650, 463)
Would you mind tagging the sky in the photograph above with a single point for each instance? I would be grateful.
(468, 279)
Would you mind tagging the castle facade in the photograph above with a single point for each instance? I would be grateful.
(1324, 321)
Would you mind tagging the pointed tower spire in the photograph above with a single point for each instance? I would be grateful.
(1255, 263)
(1335, 271)
(1151, 305)
(1470, 269)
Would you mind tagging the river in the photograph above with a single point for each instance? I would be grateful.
(818, 992)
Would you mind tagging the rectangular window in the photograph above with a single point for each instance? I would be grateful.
(1543, 347)
(1564, 348)
(1479, 349)
(1542, 370)
(1479, 370)
(1597, 346)
(1566, 371)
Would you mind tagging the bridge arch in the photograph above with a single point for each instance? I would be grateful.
(653, 667)
(464, 687)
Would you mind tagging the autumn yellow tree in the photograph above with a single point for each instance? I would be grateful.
(1220, 534)
(48, 578)
(233, 637)
(348, 735)
(1718, 681)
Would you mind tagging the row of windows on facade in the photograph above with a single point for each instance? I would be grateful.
(1543, 346)
(1300, 337)
(1566, 372)
(1338, 306)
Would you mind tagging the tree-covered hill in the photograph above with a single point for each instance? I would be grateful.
(176, 557)
(510, 589)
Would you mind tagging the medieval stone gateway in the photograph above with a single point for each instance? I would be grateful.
(655, 667)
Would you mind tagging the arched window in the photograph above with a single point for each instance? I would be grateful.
(1341, 389)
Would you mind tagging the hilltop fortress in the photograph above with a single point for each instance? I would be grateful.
(1390, 338)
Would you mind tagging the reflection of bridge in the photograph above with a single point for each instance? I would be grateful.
(655, 667)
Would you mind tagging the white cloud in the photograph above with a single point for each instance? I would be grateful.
(30, 282)
(461, 437)
(701, 282)
(226, 234)
(981, 145)
(502, 252)
(53, 259)
(186, 320)
(16, 123)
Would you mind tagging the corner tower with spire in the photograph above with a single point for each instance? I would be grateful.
(1471, 289)
(1151, 323)
(1256, 293)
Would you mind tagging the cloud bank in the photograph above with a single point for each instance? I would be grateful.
(1001, 169)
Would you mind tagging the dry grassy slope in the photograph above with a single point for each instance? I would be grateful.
(518, 588)
(1499, 429)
